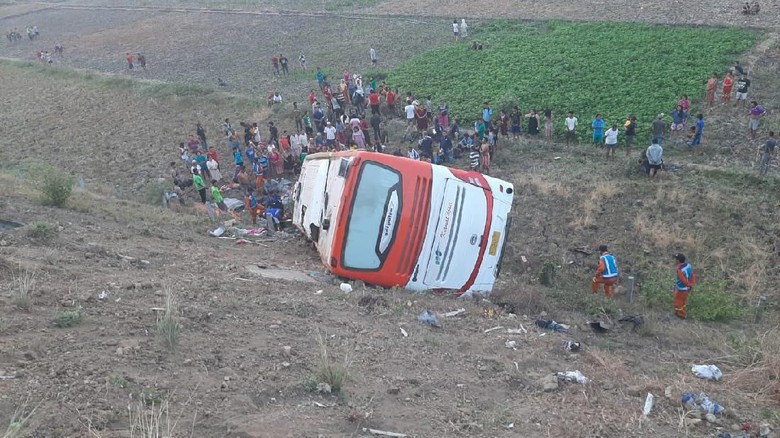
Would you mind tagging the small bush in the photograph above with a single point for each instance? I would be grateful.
(168, 325)
(68, 318)
(22, 291)
(547, 274)
(56, 187)
(709, 301)
(41, 231)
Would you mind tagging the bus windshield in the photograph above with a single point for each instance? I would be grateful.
(373, 217)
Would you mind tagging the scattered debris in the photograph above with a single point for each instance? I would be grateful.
(707, 372)
(323, 388)
(517, 331)
(319, 405)
(103, 295)
(498, 327)
(454, 313)
(345, 287)
(637, 320)
(7, 377)
(552, 325)
(599, 326)
(318, 292)
(573, 376)
(218, 232)
(571, 346)
(384, 433)
(668, 392)
(701, 403)
(426, 317)
(511, 344)
(648, 405)
(403, 332)
(241, 241)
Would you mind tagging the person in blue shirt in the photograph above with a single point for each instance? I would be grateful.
(487, 113)
(695, 142)
(598, 130)
(683, 285)
(606, 273)
(238, 158)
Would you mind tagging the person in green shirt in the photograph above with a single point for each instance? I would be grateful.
(216, 196)
(200, 186)
(307, 123)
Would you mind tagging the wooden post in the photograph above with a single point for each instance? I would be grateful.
(630, 292)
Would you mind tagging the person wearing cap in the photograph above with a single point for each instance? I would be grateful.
(683, 286)
(606, 273)
(330, 136)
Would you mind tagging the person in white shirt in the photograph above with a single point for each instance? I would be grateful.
(330, 136)
(455, 29)
(277, 97)
(571, 126)
(413, 154)
(372, 54)
(409, 109)
(611, 139)
(464, 28)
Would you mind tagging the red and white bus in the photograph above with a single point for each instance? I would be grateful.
(396, 222)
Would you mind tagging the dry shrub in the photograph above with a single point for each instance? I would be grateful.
(603, 191)
(759, 375)
(662, 235)
(582, 222)
(547, 187)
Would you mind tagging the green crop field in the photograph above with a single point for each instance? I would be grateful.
(588, 68)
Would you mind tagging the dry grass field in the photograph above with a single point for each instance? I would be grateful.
(118, 316)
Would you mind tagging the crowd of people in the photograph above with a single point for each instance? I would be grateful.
(350, 112)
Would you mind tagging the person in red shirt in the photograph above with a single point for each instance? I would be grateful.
(212, 154)
(373, 100)
(390, 98)
(130, 60)
(275, 64)
(312, 97)
(284, 142)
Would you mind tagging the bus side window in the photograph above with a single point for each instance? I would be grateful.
(343, 168)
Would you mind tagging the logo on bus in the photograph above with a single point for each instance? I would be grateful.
(446, 226)
(437, 257)
(473, 239)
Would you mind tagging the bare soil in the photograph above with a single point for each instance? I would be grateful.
(231, 374)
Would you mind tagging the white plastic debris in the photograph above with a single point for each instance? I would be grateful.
(218, 232)
(573, 376)
(707, 372)
(511, 344)
(103, 295)
(346, 288)
(648, 405)
(454, 313)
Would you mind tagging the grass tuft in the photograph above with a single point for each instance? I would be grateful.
(19, 419)
(24, 283)
(334, 373)
(41, 230)
(168, 324)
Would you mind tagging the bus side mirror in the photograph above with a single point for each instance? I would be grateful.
(325, 224)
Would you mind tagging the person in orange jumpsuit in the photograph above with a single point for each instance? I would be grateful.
(683, 286)
(607, 272)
